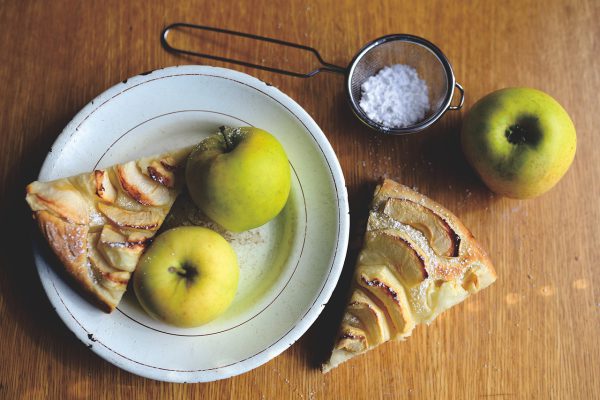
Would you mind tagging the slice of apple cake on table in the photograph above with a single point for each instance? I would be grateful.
(417, 261)
(99, 223)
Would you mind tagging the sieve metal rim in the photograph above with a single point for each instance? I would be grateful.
(360, 114)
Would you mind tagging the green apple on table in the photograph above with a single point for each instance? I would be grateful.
(239, 177)
(187, 277)
(520, 141)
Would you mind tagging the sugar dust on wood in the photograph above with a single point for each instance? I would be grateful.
(395, 97)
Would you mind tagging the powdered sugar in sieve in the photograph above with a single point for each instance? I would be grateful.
(395, 97)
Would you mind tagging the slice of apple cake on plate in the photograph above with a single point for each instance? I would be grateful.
(99, 223)
(417, 261)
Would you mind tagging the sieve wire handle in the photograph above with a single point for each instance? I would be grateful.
(324, 65)
(462, 97)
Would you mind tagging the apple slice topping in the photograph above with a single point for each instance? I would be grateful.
(104, 187)
(107, 276)
(163, 172)
(144, 237)
(166, 169)
(61, 199)
(379, 282)
(442, 239)
(352, 339)
(146, 219)
(140, 187)
(122, 252)
(386, 247)
(371, 317)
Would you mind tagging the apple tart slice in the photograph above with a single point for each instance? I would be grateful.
(99, 223)
(417, 261)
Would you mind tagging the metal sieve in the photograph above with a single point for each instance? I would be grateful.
(426, 58)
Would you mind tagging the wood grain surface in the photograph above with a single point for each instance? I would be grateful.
(533, 334)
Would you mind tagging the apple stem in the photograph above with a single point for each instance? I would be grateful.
(185, 271)
(224, 133)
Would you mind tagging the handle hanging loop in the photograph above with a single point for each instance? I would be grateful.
(462, 97)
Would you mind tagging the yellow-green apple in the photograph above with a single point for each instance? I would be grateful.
(239, 177)
(520, 141)
(187, 277)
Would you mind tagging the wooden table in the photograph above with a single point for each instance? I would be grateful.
(533, 334)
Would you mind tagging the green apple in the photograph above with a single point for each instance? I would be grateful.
(187, 277)
(519, 140)
(239, 177)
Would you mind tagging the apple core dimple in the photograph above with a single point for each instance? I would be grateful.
(525, 131)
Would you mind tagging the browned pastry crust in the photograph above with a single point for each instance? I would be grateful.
(417, 261)
(99, 223)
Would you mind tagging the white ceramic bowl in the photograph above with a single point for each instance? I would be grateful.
(289, 267)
